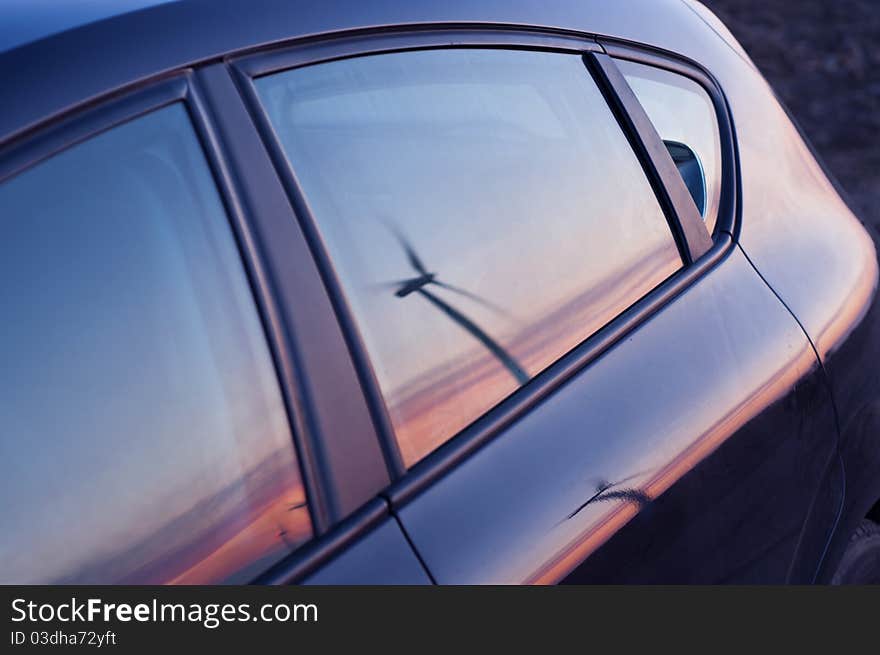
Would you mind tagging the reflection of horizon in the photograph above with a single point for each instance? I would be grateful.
(228, 537)
(428, 409)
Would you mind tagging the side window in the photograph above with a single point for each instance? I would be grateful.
(144, 438)
(483, 210)
(684, 116)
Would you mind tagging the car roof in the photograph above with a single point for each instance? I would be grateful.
(87, 52)
(25, 21)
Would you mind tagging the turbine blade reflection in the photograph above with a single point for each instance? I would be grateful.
(411, 254)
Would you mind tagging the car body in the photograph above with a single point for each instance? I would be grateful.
(722, 426)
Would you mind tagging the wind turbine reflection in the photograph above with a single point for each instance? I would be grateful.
(424, 278)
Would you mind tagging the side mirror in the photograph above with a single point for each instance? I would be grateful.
(691, 171)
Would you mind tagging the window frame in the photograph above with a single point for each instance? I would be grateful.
(297, 306)
(727, 221)
(94, 118)
(248, 67)
(684, 218)
(700, 251)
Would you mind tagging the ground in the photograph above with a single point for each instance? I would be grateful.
(823, 59)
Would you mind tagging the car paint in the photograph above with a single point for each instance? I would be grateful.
(383, 556)
(802, 276)
(30, 20)
(530, 506)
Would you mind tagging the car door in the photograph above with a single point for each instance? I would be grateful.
(575, 381)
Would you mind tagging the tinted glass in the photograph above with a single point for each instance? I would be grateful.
(484, 213)
(683, 113)
(143, 438)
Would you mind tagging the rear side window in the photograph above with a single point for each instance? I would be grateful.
(143, 438)
(684, 116)
(483, 210)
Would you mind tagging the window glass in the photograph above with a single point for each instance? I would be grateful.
(483, 210)
(683, 115)
(144, 439)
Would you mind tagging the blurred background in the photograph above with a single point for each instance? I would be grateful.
(823, 59)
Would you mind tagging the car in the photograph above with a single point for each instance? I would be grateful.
(418, 292)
